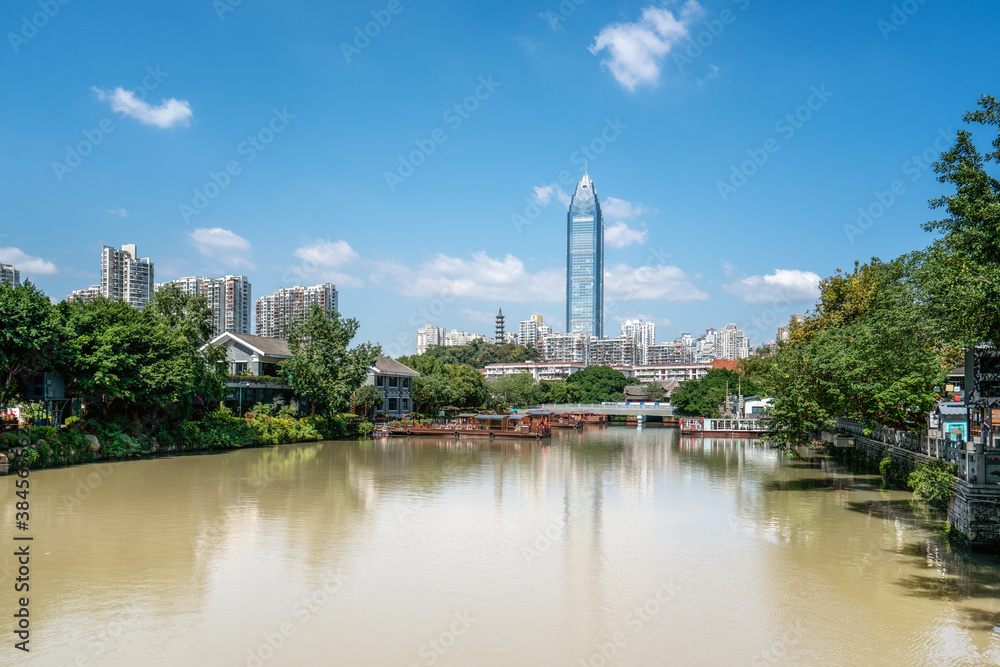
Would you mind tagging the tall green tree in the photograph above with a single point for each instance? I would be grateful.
(322, 368)
(431, 392)
(367, 399)
(468, 388)
(29, 335)
(518, 390)
(961, 268)
(598, 384)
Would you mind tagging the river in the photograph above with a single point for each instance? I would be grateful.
(610, 546)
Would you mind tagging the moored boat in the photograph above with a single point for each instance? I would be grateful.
(726, 427)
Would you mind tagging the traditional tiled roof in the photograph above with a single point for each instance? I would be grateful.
(389, 366)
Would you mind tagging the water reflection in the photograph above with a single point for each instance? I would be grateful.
(552, 552)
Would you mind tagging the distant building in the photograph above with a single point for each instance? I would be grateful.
(85, 295)
(565, 347)
(126, 277)
(730, 343)
(643, 334)
(500, 338)
(585, 262)
(530, 330)
(539, 370)
(613, 352)
(395, 381)
(8, 274)
(429, 336)
(784, 332)
(228, 297)
(668, 353)
(276, 312)
(456, 338)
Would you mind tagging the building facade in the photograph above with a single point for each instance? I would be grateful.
(565, 348)
(613, 352)
(643, 334)
(126, 277)
(8, 274)
(429, 336)
(585, 262)
(730, 343)
(228, 297)
(395, 381)
(84, 295)
(276, 312)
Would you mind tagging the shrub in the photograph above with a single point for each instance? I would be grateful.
(365, 429)
(932, 482)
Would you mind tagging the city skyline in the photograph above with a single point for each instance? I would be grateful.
(727, 151)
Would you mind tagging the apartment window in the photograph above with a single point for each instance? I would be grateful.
(406, 383)
(393, 382)
(406, 405)
(392, 405)
(379, 380)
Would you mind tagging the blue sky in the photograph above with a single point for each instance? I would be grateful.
(730, 142)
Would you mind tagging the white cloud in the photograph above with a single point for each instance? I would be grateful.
(325, 260)
(637, 49)
(543, 196)
(782, 285)
(224, 246)
(120, 212)
(729, 269)
(667, 283)
(480, 277)
(619, 209)
(528, 44)
(620, 235)
(171, 112)
(25, 263)
(478, 316)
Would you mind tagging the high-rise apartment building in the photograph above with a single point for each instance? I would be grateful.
(730, 343)
(84, 295)
(571, 347)
(428, 337)
(643, 334)
(456, 338)
(125, 277)
(530, 330)
(228, 297)
(612, 352)
(8, 274)
(585, 262)
(275, 312)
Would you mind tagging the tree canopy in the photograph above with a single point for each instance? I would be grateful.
(322, 368)
(703, 397)
(598, 384)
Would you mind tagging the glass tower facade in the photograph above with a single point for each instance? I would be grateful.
(585, 262)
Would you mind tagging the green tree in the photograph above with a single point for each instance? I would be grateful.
(367, 399)
(322, 368)
(468, 388)
(431, 392)
(513, 390)
(961, 269)
(703, 397)
(597, 384)
(654, 392)
(29, 334)
(558, 392)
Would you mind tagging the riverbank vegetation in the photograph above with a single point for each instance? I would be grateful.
(149, 384)
(882, 338)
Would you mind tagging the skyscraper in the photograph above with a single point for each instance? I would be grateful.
(585, 262)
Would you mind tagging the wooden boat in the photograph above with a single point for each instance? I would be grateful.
(558, 419)
(725, 427)
(525, 425)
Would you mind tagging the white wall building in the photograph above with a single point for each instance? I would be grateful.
(428, 337)
(8, 274)
(643, 334)
(565, 347)
(126, 277)
(275, 312)
(229, 298)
